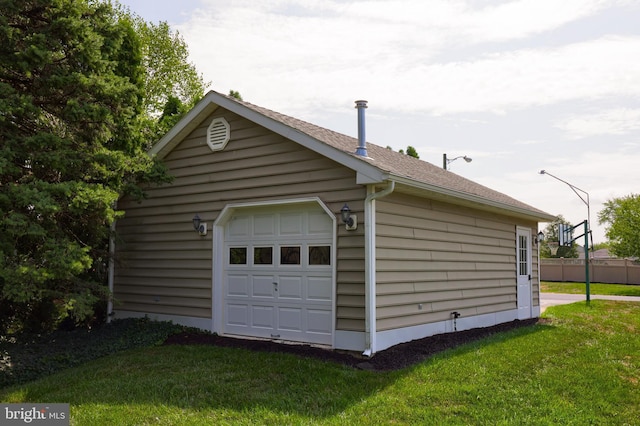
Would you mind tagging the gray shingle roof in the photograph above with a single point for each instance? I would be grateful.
(398, 165)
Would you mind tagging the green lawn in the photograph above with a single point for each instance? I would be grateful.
(594, 288)
(580, 366)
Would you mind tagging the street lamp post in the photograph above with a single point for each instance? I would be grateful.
(446, 161)
(574, 189)
(587, 229)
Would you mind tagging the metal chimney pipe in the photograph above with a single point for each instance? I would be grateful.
(362, 140)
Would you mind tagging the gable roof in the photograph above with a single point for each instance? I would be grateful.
(381, 165)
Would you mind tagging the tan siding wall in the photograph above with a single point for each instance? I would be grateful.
(164, 267)
(434, 258)
(350, 269)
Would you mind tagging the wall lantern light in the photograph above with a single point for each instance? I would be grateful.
(350, 220)
(199, 226)
(539, 238)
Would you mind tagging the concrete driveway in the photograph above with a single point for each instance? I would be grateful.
(552, 299)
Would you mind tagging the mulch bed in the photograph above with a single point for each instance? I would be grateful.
(393, 358)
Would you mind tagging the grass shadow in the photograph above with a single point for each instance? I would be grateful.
(237, 380)
(28, 356)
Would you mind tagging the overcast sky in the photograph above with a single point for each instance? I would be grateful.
(518, 86)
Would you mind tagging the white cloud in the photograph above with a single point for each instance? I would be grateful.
(525, 142)
(453, 19)
(518, 19)
(531, 77)
(617, 121)
(330, 53)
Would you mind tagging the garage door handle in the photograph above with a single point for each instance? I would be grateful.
(275, 284)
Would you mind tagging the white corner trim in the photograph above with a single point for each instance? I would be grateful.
(111, 274)
(535, 312)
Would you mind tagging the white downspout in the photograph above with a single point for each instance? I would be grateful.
(370, 265)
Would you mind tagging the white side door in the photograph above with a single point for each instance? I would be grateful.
(523, 258)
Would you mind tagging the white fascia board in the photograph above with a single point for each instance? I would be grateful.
(366, 179)
(475, 199)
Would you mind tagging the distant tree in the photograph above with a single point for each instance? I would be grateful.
(235, 94)
(173, 110)
(551, 235)
(622, 217)
(411, 152)
(600, 246)
(72, 96)
(172, 85)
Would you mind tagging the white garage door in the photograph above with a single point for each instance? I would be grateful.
(278, 274)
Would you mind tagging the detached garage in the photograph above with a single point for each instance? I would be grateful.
(275, 228)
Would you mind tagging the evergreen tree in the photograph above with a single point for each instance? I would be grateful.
(71, 102)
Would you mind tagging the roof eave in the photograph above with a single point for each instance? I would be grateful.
(476, 200)
(366, 173)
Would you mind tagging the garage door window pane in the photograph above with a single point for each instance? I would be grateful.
(290, 255)
(263, 255)
(319, 255)
(238, 255)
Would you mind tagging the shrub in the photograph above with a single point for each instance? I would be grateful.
(27, 356)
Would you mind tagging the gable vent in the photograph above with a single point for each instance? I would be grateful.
(218, 134)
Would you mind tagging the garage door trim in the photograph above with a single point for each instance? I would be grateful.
(218, 254)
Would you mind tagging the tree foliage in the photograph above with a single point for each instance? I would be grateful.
(172, 85)
(235, 94)
(551, 236)
(600, 246)
(411, 152)
(622, 217)
(73, 117)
